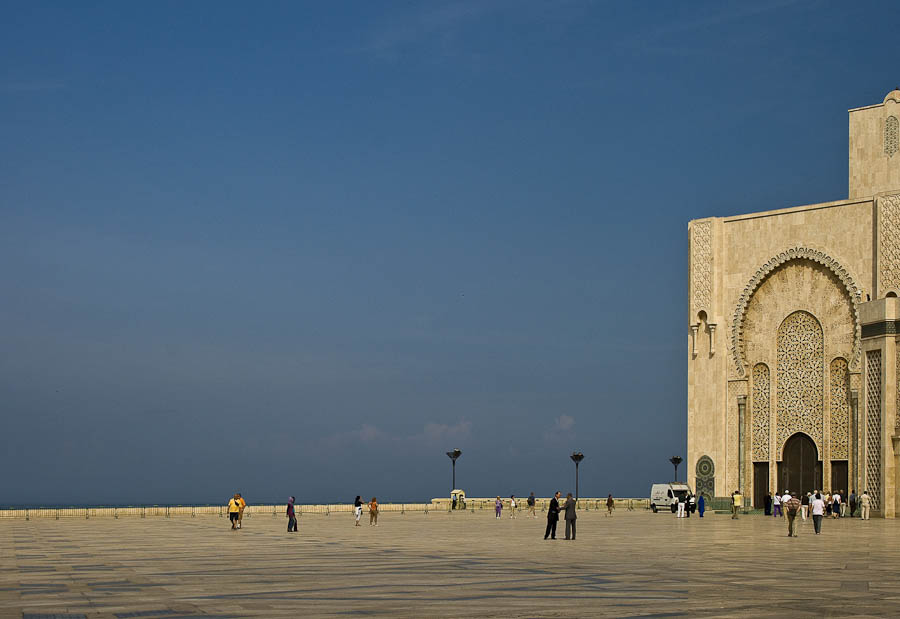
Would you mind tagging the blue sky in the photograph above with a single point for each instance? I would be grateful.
(306, 248)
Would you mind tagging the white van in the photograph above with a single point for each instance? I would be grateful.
(663, 496)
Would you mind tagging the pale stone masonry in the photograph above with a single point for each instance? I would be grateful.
(792, 333)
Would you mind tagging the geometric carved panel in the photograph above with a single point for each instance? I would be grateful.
(706, 477)
(800, 378)
(761, 410)
(891, 136)
(840, 410)
(873, 426)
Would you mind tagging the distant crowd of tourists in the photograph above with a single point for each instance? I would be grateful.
(815, 505)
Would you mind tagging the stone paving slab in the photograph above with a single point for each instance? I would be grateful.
(459, 565)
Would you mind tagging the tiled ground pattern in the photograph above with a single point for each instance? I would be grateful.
(464, 565)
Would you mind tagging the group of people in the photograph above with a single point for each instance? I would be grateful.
(687, 503)
(514, 506)
(834, 505)
(373, 510)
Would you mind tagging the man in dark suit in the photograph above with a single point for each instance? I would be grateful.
(570, 515)
(552, 517)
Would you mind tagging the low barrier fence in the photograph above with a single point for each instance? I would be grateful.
(190, 511)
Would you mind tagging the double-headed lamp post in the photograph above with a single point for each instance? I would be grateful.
(453, 455)
(577, 457)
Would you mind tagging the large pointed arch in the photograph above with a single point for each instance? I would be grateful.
(854, 293)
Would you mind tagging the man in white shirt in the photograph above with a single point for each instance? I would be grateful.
(836, 505)
(784, 499)
(817, 507)
(777, 509)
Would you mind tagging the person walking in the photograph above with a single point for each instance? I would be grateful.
(570, 515)
(776, 511)
(817, 506)
(804, 506)
(836, 505)
(701, 505)
(373, 512)
(498, 508)
(531, 503)
(512, 506)
(681, 503)
(291, 516)
(865, 505)
(852, 501)
(241, 511)
(791, 509)
(357, 508)
(736, 500)
(234, 510)
(610, 505)
(552, 517)
(827, 500)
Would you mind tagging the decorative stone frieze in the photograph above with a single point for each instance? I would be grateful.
(760, 413)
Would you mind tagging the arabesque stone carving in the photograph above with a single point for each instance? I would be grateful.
(760, 414)
(701, 266)
(888, 244)
(840, 409)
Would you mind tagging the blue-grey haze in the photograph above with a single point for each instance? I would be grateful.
(306, 248)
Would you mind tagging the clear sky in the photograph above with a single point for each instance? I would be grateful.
(306, 248)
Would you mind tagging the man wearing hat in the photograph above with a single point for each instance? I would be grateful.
(791, 509)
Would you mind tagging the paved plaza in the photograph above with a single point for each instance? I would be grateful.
(460, 565)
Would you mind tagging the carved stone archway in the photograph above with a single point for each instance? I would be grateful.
(854, 294)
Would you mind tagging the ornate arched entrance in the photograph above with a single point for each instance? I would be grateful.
(800, 469)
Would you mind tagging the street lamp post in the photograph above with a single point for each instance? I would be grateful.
(453, 455)
(577, 457)
(675, 460)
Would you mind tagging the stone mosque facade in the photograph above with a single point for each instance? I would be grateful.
(794, 322)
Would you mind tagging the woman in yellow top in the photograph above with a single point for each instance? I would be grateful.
(234, 510)
(373, 512)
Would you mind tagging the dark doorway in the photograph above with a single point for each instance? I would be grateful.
(800, 469)
(839, 477)
(760, 484)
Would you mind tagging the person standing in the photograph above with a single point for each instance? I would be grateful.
(291, 516)
(234, 510)
(852, 501)
(681, 502)
(817, 506)
(865, 505)
(512, 506)
(241, 512)
(804, 506)
(498, 508)
(552, 517)
(701, 505)
(736, 500)
(570, 515)
(357, 508)
(827, 499)
(791, 507)
(610, 505)
(836, 505)
(373, 512)
(531, 503)
(777, 503)
(768, 504)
